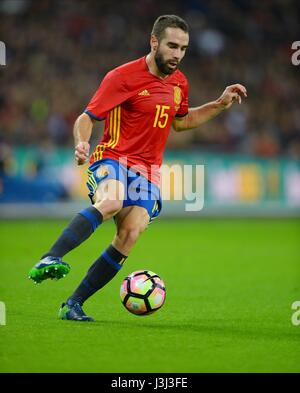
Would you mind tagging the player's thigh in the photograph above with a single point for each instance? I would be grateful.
(109, 197)
(111, 189)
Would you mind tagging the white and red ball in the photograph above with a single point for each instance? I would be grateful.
(143, 292)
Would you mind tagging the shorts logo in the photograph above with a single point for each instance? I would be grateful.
(177, 95)
(102, 171)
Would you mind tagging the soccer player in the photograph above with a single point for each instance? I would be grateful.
(139, 102)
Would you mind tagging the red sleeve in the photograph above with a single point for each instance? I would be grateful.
(184, 105)
(111, 93)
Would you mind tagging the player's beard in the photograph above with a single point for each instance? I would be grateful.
(162, 64)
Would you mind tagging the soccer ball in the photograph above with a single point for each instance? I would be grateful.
(143, 292)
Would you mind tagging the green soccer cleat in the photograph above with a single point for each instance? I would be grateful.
(49, 267)
(73, 311)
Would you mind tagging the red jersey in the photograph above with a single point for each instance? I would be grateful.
(138, 108)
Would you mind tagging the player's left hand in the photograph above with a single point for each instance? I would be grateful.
(231, 94)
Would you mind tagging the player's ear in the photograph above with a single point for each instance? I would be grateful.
(153, 42)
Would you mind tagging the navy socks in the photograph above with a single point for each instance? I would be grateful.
(98, 275)
(103, 269)
(79, 229)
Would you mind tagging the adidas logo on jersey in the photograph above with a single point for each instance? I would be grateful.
(144, 93)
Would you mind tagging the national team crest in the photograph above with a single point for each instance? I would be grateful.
(177, 95)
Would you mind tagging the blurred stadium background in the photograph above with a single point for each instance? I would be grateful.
(59, 50)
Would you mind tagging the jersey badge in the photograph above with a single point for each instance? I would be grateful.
(177, 95)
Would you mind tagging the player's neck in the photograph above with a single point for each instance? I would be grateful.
(152, 67)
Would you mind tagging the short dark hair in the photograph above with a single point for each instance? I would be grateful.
(164, 21)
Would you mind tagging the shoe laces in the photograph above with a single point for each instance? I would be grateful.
(78, 309)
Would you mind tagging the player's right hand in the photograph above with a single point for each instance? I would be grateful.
(82, 152)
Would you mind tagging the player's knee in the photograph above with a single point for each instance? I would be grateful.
(129, 235)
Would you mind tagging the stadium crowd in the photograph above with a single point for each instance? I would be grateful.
(59, 50)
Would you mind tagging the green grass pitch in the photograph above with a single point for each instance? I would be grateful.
(230, 287)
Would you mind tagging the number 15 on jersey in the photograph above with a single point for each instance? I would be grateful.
(161, 116)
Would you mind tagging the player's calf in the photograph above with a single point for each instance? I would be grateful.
(99, 274)
(126, 238)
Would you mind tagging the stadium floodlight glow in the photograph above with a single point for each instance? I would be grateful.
(2, 54)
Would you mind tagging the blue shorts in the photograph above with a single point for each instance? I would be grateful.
(138, 190)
